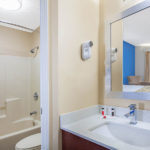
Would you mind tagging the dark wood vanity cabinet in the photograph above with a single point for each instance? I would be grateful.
(72, 142)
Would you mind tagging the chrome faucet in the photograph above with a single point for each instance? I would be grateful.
(32, 113)
(132, 114)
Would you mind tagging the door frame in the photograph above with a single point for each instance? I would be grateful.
(49, 74)
(44, 75)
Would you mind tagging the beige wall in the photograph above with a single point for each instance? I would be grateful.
(75, 84)
(111, 8)
(116, 67)
(14, 42)
(78, 80)
(19, 73)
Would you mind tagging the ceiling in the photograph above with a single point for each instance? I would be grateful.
(27, 16)
(136, 28)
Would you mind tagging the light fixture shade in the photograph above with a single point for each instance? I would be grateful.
(10, 4)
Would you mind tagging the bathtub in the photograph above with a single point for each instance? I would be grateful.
(13, 132)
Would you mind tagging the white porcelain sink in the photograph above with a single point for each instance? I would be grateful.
(129, 134)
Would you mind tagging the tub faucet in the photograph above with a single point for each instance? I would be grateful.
(32, 113)
(132, 114)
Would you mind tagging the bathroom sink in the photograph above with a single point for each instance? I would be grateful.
(126, 133)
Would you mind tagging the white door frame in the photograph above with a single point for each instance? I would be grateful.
(49, 74)
(44, 74)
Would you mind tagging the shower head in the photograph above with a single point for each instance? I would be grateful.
(34, 50)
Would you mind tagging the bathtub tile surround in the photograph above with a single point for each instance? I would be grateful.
(2, 112)
(84, 122)
(15, 122)
(35, 85)
(15, 82)
(14, 72)
(19, 70)
(15, 104)
(19, 80)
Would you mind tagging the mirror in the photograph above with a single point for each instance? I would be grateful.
(130, 53)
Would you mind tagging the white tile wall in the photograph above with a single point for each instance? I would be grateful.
(15, 80)
(2, 82)
(35, 84)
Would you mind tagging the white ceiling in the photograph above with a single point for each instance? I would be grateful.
(136, 28)
(28, 16)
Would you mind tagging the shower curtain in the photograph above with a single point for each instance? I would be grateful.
(147, 67)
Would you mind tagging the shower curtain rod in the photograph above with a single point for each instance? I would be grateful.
(4, 22)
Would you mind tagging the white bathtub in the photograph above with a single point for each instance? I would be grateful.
(13, 132)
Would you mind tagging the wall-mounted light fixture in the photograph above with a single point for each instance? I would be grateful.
(145, 45)
(11, 4)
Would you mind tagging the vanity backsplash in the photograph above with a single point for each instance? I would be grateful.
(142, 115)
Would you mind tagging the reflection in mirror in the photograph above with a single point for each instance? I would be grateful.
(130, 53)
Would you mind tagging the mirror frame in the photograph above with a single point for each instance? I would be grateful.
(121, 95)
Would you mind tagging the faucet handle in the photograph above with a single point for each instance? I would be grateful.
(132, 106)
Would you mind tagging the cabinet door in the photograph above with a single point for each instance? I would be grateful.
(72, 142)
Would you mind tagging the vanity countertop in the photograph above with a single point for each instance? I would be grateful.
(84, 126)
